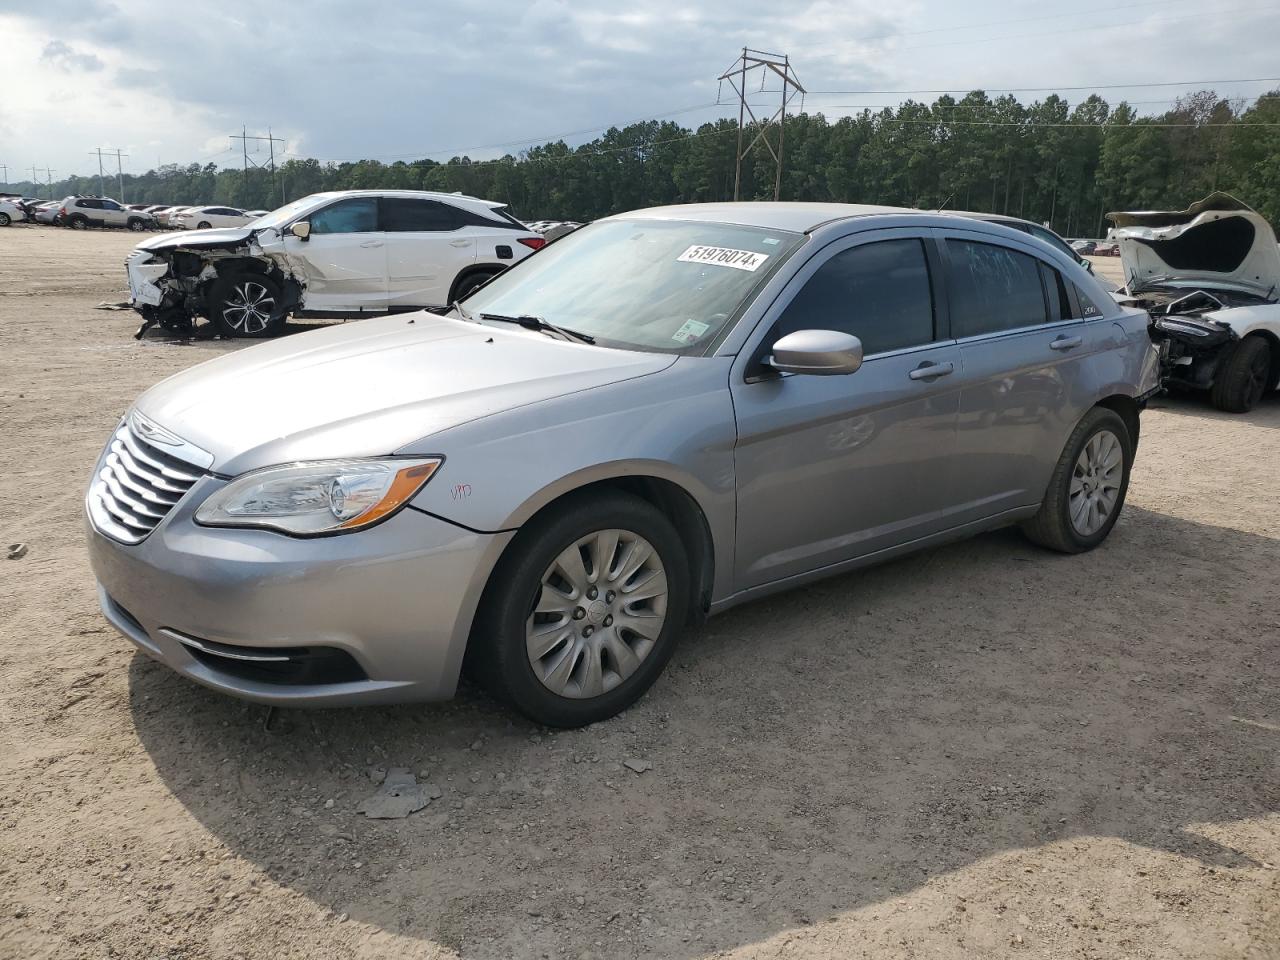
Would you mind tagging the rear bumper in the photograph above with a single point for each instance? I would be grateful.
(393, 603)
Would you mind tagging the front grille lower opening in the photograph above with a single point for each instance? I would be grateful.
(304, 666)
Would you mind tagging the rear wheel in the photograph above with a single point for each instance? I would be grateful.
(471, 283)
(584, 611)
(5, 219)
(78, 222)
(1243, 376)
(246, 305)
(1088, 486)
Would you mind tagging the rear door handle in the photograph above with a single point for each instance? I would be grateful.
(1066, 343)
(372, 243)
(932, 371)
(459, 243)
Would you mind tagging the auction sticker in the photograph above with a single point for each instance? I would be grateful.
(724, 257)
(690, 332)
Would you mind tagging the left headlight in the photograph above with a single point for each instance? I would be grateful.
(315, 499)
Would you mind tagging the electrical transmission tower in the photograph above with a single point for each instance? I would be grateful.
(119, 169)
(271, 142)
(776, 63)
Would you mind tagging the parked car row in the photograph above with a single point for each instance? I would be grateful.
(82, 211)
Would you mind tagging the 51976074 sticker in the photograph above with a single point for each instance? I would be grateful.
(724, 257)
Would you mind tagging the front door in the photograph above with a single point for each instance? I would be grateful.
(830, 468)
(344, 261)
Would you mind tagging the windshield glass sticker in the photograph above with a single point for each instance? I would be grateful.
(690, 332)
(724, 257)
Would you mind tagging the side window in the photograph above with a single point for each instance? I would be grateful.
(1088, 308)
(354, 215)
(992, 288)
(879, 292)
(1056, 290)
(89, 204)
(404, 215)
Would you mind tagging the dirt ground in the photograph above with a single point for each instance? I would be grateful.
(983, 750)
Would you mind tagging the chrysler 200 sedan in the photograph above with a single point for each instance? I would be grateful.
(660, 416)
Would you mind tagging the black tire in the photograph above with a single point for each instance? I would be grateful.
(1052, 526)
(1243, 376)
(471, 283)
(137, 224)
(5, 219)
(203, 225)
(78, 222)
(497, 656)
(226, 296)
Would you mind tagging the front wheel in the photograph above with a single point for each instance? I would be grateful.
(203, 225)
(137, 225)
(584, 611)
(246, 305)
(1088, 486)
(5, 219)
(1243, 376)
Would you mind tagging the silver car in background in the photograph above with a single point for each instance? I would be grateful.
(662, 415)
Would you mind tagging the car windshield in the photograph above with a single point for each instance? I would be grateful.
(279, 217)
(653, 285)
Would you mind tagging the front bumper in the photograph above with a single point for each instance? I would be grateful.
(398, 599)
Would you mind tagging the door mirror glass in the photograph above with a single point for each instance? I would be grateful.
(822, 352)
(301, 229)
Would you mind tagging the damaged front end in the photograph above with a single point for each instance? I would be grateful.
(171, 277)
(1190, 342)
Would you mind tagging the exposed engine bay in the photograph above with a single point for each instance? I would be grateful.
(1209, 277)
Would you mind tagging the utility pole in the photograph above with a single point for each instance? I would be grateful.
(48, 177)
(6, 174)
(779, 64)
(120, 173)
(35, 180)
(101, 189)
(271, 141)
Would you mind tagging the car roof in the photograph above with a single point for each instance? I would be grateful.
(410, 194)
(772, 215)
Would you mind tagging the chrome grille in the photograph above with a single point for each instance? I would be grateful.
(136, 486)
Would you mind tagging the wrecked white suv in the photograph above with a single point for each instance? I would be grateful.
(344, 254)
(1210, 278)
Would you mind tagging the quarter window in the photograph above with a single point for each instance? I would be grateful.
(354, 215)
(992, 289)
(879, 292)
(1088, 308)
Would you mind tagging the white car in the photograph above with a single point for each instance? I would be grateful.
(79, 212)
(47, 212)
(1210, 278)
(344, 254)
(203, 218)
(10, 212)
(255, 214)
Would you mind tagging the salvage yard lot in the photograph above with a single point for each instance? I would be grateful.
(981, 750)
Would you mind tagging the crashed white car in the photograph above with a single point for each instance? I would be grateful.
(1210, 278)
(345, 254)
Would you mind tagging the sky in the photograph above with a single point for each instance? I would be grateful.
(169, 83)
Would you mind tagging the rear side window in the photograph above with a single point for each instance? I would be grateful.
(992, 288)
(879, 292)
(355, 215)
(404, 215)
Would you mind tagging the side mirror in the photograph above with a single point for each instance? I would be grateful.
(301, 229)
(821, 352)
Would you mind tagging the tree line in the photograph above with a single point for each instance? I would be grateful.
(1046, 161)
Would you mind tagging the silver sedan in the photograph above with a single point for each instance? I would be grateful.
(660, 416)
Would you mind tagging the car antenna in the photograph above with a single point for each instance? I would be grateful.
(943, 206)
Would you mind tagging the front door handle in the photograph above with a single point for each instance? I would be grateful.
(459, 243)
(1066, 343)
(372, 243)
(932, 371)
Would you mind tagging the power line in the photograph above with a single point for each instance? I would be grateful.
(1054, 89)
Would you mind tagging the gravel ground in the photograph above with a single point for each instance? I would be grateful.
(983, 750)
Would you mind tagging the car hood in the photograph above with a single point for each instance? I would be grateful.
(372, 388)
(1218, 240)
(218, 237)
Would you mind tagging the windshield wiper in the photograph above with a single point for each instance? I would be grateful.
(530, 322)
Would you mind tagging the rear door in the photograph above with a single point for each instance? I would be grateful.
(344, 261)
(1022, 349)
(427, 247)
(830, 468)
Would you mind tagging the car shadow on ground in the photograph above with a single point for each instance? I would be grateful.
(1196, 405)
(812, 753)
